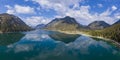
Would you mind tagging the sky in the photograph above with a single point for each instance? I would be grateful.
(34, 12)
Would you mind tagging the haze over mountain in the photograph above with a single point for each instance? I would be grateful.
(40, 26)
(96, 25)
(11, 23)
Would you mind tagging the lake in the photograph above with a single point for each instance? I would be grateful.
(49, 45)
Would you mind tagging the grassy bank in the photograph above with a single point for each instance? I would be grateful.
(100, 34)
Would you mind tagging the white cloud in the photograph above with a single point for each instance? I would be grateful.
(26, 0)
(24, 9)
(62, 8)
(100, 5)
(58, 5)
(80, 13)
(35, 20)
(36, 37)
(117, 15)
(114, 7)
(9, 9)
(20, 9)
(83, 15)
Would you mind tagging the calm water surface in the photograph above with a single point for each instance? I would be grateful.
(47, 45)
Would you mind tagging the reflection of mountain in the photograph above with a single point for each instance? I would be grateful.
(64, 37)
(83, 48)
(10, 38)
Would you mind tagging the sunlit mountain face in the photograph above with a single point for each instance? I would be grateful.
(35, 12)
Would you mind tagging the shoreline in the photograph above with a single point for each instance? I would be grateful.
(117, 44)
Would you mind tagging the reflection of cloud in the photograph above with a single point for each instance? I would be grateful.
(80, 46)
(35, 37)
(20, 48)
(35, 20)
(59, 50)
(51, 48)
(23, 48)
(84, 43)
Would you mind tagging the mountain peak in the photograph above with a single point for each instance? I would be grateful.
(67, 17)
(99, 22)
(66, 23)
(12, 23)
(4, 14)
(98, 25)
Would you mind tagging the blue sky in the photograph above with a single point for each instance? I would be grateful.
(34, 12)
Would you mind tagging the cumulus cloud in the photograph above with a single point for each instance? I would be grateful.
(35, 20)
(100, 5)
(9, 9)
(64, 8)
(26, 0)
(117, 15)
(83, 15)
(58, 5)
(20, 9)
(80, 13)
(114, 7)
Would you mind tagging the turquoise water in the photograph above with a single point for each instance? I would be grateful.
(47, 45)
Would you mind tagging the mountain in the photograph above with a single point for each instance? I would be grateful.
(40, 26)
(112, 32)
(117, 22)
(66, 38)
(97, 25)
(64, 24)
(11, 23)
(10, 38)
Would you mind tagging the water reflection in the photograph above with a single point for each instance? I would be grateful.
(10, 38)
(40, 46)
(66, 38)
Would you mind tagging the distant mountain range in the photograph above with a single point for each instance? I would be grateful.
(96, 28)
(11, 23)
(39, 26)
(69, 23)
(97, 25)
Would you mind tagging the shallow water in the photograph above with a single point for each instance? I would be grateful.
(47, 45)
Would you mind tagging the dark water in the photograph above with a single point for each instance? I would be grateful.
(44, 45)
